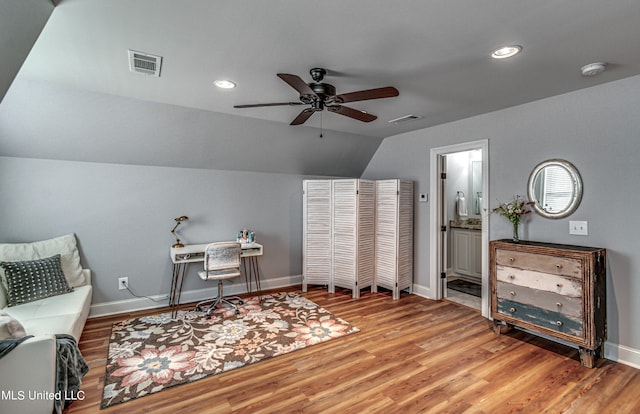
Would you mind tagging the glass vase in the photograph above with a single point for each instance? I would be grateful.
(516, 237)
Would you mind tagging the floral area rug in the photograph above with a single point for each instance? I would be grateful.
(156, 352)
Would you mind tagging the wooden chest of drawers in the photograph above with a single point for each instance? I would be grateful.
(555, 290)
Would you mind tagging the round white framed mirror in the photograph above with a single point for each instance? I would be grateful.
(555, 187)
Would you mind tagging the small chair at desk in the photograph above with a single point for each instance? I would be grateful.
(221, 261)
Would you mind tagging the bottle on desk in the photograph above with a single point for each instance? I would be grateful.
(246, 236)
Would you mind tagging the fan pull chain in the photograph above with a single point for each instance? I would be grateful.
(321, 124)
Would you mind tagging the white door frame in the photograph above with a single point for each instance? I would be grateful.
(434, 214)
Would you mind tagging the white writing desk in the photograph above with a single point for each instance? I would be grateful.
(195, 252)
(192, 253)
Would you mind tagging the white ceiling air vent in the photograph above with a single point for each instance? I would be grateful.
(405, 118)
(145, 63)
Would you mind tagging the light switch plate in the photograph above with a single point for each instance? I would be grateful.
(580, 228)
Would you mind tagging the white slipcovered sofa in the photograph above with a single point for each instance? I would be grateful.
(28, 372)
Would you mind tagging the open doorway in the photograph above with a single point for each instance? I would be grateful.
(462, 207)
(459, 235)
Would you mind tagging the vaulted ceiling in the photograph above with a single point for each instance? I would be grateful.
(436, 53)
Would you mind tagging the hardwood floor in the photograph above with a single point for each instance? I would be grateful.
(413, 355)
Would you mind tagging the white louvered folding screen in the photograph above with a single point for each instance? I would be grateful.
(353, 232)
(394, 235)
(316, 234)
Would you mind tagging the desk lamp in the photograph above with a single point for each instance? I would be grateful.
(173, 230)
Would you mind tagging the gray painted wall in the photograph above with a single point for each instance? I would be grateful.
(122, 216)
(597, 129)
(51, 121)
(21, 22)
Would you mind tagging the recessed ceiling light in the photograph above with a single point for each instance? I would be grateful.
(506, 52)
(224, 84)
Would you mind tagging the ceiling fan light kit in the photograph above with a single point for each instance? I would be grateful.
(319, 96)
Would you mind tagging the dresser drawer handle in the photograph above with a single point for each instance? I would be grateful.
(512, 293)
(559, 304)
(559, 323)
(558, 266)
(559, 285)
(512, 277)
(512, 310)
(511, 259)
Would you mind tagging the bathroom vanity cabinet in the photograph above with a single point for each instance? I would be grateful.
(466, 251)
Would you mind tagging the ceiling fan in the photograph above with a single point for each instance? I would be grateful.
(321, 95)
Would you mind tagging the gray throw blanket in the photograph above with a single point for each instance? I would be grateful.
(71, 367)
(7, 345)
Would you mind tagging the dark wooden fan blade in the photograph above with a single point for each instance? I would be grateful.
(302, 117)
(297, 83)
(352, 113)
(386, 92)
(268, 104)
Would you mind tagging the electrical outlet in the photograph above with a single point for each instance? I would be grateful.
(579, 228)
(123, 283)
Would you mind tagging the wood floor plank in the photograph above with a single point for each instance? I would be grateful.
(412, 355)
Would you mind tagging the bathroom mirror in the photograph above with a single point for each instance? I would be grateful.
(475, 188)
(555, 187)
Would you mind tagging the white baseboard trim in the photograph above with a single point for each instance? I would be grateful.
(136, 304)
(422, 291)
(622, 354)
